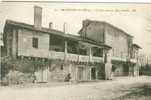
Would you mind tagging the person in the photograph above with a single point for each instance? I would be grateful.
(34, 78)
(68, 77)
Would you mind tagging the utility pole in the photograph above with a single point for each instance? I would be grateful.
(147, 61)
(1, 44)
(0, 67)
(64, 27)
(65, 43)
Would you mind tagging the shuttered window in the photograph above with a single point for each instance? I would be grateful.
(35, 42)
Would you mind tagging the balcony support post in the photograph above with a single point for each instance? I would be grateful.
(90, 54)
(108, 64)
(65, 51)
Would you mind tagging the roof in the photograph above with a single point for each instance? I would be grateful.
(78, 38)
(53, 31)
(104, 22)
(31, 27)
(136, 45)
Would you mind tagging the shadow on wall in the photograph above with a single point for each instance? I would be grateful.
(142, 92)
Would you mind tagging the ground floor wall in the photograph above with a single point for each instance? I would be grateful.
(119, 68)
(134, 69)
(125, 68)
(44, 70)
(61, 71)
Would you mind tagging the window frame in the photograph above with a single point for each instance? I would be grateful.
(35, 42)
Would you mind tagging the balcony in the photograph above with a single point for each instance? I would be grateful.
(83, 58)
(133, 60)
(59, 56)
(97, 59)
(56, 55)
(73, 57)
(119, 59)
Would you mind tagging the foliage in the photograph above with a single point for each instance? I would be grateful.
(24, 66)
(17, 71)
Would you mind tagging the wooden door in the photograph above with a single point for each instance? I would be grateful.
(80, 73)
(93, 73)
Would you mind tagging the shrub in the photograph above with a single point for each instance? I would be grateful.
(16, 77)
(16, 71)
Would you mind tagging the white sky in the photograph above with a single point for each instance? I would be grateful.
(129, 17)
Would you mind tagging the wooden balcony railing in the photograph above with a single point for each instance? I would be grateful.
(97, 59)
(133, 60)
(56, 55)
(119, 59)
(74, 57)
(83, 58)
(59, 56)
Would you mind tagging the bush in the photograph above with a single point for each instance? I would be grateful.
(16, 77)
(18, 71)
(4, 81)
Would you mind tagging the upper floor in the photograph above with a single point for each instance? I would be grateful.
(22, 39)
(95, 40)
(100, 31)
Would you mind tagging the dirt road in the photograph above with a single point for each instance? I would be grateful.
(123, 88)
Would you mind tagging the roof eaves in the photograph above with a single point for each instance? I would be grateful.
(136, 45)
(31, 27)
(104, 22)
(119, 29)
(52, 31)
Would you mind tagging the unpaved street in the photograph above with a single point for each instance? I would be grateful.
(123, 88)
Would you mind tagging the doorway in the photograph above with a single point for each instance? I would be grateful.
(93, 73)
(80, 73)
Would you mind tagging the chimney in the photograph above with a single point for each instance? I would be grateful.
(65, 27)
(50, 25)
(37, 16)
(85, 22)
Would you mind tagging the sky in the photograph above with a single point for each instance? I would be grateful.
(132, 18)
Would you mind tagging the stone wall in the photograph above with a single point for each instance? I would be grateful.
(25, 43)
(98, 32)
(101, 71)
(59, 71)
(120, 68)
(118, 41)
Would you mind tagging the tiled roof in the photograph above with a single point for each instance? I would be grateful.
(104, 22)
(54, 32)
(137, 46)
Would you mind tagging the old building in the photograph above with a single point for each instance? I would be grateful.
(100, 50)
(123, 51)
(59, 55)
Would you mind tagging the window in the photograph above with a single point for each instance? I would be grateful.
(82, 51)
(35, 42)
(56, 43)
(98, 52)
(72, 47)
(61, 67)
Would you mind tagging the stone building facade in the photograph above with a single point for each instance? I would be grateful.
(82, 58)
(90, 56)
(120, 41)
